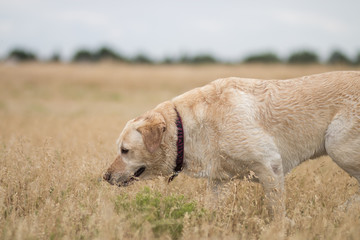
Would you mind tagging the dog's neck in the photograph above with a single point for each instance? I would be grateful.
(179, 146)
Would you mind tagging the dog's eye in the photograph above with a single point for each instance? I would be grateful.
(124, 150)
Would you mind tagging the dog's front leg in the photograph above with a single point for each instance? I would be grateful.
(272, 178)
(215, 189)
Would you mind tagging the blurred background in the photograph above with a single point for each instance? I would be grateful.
(186, 31)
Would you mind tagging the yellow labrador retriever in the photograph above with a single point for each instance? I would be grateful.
(234, 125)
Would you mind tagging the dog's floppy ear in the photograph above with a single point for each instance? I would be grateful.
(152, 131)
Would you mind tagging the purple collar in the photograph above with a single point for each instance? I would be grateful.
(180, 147)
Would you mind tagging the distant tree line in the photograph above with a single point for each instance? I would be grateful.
(108, 54)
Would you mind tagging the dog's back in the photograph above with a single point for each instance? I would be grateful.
(297, 115)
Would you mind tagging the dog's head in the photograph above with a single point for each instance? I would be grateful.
(141, 154)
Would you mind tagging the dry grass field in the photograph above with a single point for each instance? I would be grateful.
(58, 127)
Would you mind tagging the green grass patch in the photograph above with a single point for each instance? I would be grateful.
(164, 213)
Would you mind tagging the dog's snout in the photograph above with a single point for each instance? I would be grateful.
(116, 172)
(107, 176)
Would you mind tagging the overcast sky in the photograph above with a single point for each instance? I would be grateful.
(228, 29)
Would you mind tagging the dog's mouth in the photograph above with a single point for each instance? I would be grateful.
(139, 171)
(134, 177)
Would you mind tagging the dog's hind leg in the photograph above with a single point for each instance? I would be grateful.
(342, 143)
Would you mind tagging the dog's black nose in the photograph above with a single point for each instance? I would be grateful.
(107, 176)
